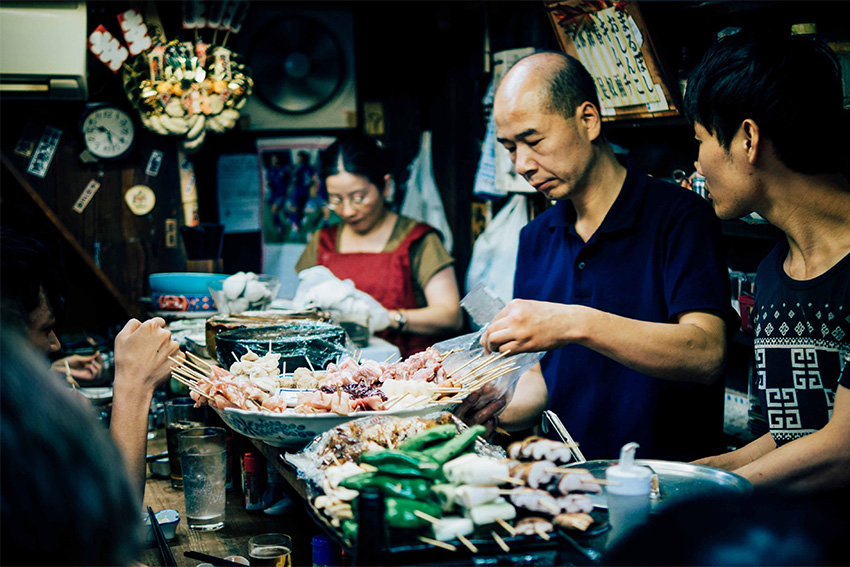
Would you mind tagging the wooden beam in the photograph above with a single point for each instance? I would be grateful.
(66, 234)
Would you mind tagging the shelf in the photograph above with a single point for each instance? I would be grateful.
(738, 227)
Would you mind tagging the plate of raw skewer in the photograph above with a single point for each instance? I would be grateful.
(288, 410)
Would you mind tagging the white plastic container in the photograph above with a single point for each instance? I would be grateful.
(628, 493)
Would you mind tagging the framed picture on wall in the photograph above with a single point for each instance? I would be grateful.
(294, 197)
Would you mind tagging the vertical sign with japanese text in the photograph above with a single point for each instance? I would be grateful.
(609, 46)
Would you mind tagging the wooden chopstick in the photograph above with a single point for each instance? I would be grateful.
(164, 551)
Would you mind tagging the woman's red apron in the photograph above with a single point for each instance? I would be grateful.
(386, 276)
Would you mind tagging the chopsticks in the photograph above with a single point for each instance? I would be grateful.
(164, 550)
(210, 558)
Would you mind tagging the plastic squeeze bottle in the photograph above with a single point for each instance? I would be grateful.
(628, 493)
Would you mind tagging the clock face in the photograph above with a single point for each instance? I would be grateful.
(108, 132)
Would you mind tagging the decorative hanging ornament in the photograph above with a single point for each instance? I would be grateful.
(181, 88)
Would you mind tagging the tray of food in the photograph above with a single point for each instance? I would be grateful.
(289, 410)
(448, 493)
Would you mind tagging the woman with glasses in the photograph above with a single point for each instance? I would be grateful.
(399, 261)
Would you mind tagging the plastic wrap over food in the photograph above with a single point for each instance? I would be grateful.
(482, 305)
(345, 443)
(300, 343)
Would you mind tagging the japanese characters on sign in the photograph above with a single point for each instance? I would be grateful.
(609, 46)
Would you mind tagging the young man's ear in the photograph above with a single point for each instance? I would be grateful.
(751, 139)
(589, 116)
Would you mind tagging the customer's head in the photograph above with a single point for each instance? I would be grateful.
(66, 499)
(30, 288)
(356, 171)
(776, 529)
(789, 86)
(547, 116)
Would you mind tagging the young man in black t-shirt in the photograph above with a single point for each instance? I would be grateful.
(767, 112)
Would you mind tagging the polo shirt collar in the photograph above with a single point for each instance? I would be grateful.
(623, 213)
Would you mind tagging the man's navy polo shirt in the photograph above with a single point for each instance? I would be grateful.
(656, 254)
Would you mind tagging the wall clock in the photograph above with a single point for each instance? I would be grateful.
(108, 132)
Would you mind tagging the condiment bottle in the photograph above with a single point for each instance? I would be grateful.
(252, 481)
(628, 493)
(325, 553)
(371, 527)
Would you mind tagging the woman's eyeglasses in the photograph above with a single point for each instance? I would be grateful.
(357, 201)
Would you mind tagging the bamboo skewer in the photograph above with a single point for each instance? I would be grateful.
(539, 531)
(195, 367)
(509, 479)
(310, 364)
(467, 363)
(508, 528)
(487, 362)
(427, 517)
(186, 375)
(467, 543)
(500, 541)
(391, 403)
(191, 386)
(199, 359)
(70, 377)
(437, 543)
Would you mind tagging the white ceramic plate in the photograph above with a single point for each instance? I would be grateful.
(295, 431)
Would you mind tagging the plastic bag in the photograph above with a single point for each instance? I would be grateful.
(493, 261)
(482, 306)
(422, 199)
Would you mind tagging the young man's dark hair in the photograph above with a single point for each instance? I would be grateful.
(26, 270)
(789, 85)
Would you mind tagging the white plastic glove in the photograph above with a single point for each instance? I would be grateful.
(320, 288)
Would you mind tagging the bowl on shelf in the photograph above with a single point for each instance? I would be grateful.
(182, 283)
(297, 342)
(244, 292)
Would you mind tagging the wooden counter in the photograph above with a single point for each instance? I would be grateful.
(240, 524)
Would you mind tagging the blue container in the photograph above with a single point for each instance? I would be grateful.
(183, 283)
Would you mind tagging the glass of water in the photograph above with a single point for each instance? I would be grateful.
(203, 460)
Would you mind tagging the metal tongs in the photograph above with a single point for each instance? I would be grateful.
(549, 417)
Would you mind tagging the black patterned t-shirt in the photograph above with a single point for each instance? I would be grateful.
(802, 345)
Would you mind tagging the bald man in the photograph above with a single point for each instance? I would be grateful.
(622, 282)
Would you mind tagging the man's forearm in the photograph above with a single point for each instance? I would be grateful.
(682, 351)
(747, 454)
(128, 426)
(530, 399)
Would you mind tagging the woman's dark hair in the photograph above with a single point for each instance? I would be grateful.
(66, 498)
(357, 154)
(570, 86)
(789, 85)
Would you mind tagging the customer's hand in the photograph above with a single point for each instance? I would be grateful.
(142, 352)
(86, 368)
(476, 409)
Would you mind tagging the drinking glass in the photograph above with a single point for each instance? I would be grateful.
(203, 452)
(180, 415)
(270, 549)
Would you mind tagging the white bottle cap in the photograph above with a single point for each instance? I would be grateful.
(626, 478)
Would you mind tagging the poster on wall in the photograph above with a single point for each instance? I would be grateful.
(294, 197)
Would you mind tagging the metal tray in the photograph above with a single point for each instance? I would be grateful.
(677, 482)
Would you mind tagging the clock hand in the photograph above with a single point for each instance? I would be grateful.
(106, 130)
